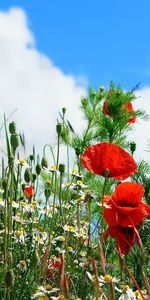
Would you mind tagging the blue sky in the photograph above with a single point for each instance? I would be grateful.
(101, 40)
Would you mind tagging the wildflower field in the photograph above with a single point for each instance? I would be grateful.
(78, 228)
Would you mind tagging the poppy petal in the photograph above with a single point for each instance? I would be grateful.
(100, 157)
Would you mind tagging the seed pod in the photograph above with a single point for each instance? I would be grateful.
(61, 168)
(59, 129)
(12, 127)
(14, 140)
(27, 175)
(10, 278)
(38, 169)
(44, 162)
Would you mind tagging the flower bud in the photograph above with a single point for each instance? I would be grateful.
(59, 129)
(47, 193)
(14, 140)
(38, 169)
(106, 173)
(31, 157)
(61, 168)
(132, 147)
(12, 127)
(27, 175)
(44, 162)
(34, 177)
(10, 278)
(4, 184)
(64, 110)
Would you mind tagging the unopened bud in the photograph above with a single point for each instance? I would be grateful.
(10, 278)
(64, 110)
(132, 147)
(59, 129)
(12, 127)
(14, 140)
(27, 175)
(34, 177)
(106, 173)
(47, 193)
(61, 168)
(38, 169)
(44, 162)
(4, 184)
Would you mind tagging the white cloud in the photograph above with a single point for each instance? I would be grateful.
(141, 129)
(31, 83)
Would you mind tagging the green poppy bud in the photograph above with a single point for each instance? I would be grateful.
(27, 175)
(12, 127)
(4, 184)
(64, 110)
(132, 147)
(38, 169)
(31, 157)
(34, 177)
(44, 162)
(47, 193)
(61, 168)
(14, 140)
(10, 278)
(59, 129)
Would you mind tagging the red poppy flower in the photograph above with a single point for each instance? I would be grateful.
(54, 267)
(105, 156)
(125, 206)
(28, 191)
(128, 106)
(131, 110)
(125, 237)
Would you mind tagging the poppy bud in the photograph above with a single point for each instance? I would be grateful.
(38, 169)
(47, 193)
(132, 147)
(12, 127)
(34, 177)
(61, 168)
(64, 110)
(10, 278)
(14, 140)
(28, 191)
(59, 129)
(27, 175)
(44, 162)
(31, 157)
(4, 184)
(106, 173)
